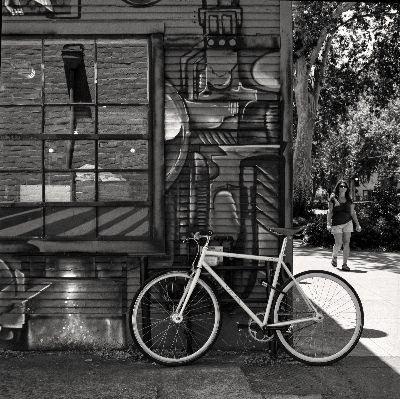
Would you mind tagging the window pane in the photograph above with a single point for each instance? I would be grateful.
(123, 120)
(21, 73)
(123, 186)
(20, 154)
(20, 222)
(20, 187)
(58, 79)
(84, 187)
(67, 187)
(57, 120)
(70, 222)
(122, 71)
(58, 187)
(123, 221)
(69, 154)
(21, 120)
(123, 154)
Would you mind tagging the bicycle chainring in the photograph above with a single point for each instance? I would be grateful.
(257, 333)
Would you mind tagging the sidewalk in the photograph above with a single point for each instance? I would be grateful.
(376, 278)
(371, 371)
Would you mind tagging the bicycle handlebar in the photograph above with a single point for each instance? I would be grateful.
(199, 234)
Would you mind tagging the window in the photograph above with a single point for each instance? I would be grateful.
(81, 144)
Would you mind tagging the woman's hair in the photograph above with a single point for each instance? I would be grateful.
(347, 194)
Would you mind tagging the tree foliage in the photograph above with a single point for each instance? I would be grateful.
(342, 51)
(366, 141)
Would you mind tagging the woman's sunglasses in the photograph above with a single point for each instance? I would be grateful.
(342, 186)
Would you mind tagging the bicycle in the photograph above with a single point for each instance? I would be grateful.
(175, 317)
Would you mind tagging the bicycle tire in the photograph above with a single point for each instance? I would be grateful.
(162, 339)
(326, 341)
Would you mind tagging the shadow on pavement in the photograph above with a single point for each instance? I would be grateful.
(371, 333)
(353, 271)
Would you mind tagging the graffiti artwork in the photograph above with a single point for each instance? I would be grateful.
(222, 129)
(62, 182)
(222, 132)
(59, 8)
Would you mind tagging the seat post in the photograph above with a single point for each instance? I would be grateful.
(283, 249)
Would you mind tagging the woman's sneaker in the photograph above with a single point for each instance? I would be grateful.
(345, 267)
(334, 262)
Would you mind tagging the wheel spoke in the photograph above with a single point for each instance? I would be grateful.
(328, 340)
(160, 333)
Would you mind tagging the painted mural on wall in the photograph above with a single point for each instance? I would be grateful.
(222, 146)
(49, 8)
(57, 8)
(222, 133)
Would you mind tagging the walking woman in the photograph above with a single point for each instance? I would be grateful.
(341, 214)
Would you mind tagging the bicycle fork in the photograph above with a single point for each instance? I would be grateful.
(177, 316)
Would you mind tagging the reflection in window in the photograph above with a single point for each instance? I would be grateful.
(57, 78)
(81, 146)
(58, 152)
(122, 78)
(123, 186)
(20, 187)
(123, 119)
(58, 120)
(21, 120)
(20, 154)
(123, 154)
(21, 72)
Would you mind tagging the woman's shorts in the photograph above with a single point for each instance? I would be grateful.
(343, 228)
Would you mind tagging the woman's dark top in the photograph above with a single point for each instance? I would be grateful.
(341, 213)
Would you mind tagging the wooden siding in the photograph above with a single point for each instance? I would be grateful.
(180, 17)
(226, 150)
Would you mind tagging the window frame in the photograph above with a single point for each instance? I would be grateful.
(155, 242)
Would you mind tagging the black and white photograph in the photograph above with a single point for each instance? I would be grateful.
(199, 199)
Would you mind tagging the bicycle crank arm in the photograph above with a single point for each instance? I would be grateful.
(242, 326)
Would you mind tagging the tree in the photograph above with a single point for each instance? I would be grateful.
(366, 141)
(319, 27)
(314, 25)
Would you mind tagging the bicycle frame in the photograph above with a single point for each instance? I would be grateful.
(280, 263)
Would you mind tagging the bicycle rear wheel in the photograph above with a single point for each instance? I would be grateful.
(326, 341)
(163, 337)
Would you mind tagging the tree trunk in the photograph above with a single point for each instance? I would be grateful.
(306, 114)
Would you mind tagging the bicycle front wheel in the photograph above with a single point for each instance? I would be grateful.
(159, 333)
(330, 339)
